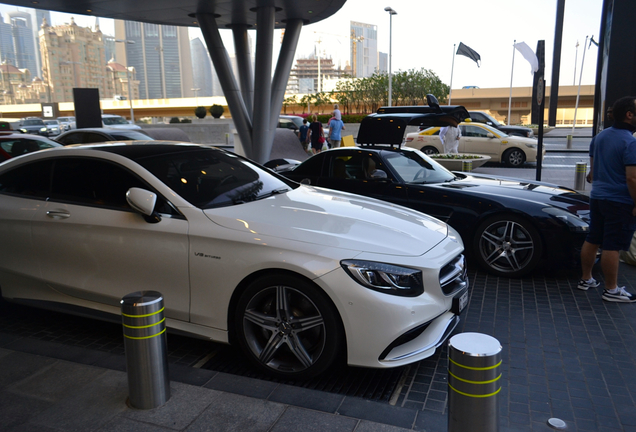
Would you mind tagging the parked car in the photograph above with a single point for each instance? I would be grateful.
(482, 117)
(298, 277)
(482, 139)
(33, 125)
(509, 226)
(54, 127)
(94, 135)
(117, 121)
(67, 123)
(13, 143)
(290, 122)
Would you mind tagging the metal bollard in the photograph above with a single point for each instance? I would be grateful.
(579, 176)
(146, 352)
(473, 380)
(569, 142)
(467, 166)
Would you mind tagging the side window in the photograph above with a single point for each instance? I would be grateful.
(74, 138)
(30, 180)
(474, 131)
(92, 137)
(92, 182)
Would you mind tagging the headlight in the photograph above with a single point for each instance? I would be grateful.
(43, 129)
(385, 278)
(573, 222)
(532, 146)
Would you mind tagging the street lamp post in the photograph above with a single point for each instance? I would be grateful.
(132, 112)
(391, 13)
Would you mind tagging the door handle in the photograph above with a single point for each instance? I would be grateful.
(58, 214)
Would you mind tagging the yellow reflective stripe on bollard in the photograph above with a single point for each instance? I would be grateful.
(144, 326)
(474, 396)
(473, 382)
(142, 316)
(145, 337)
(581, 168)
(476, 368)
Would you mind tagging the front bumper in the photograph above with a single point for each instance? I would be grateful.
(385, 331)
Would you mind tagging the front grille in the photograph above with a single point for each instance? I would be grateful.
(452, 277)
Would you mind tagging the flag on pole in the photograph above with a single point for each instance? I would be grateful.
(529, 55)
(468, 52)
(592, 41)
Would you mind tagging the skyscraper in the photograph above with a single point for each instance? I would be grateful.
(160, 55)
(23, 41)
(364, 49)
(202, 72)
(7, 51)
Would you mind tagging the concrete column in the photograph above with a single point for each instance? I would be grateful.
(244, 63)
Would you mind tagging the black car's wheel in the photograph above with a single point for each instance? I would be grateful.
(513, 157)
(429, 150)
(288, 327)
(507, 245)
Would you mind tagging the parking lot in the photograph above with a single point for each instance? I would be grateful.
(567, 354)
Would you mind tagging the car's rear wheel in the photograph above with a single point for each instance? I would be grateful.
(429, 150)
(288, 327)
(507, 245)
(513, 157)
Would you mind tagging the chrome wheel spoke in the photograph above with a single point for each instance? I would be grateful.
(272, 346)
(303, 324)
(267, 322)
(282, 307)
(299, 350)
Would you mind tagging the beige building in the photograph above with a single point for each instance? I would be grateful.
(73, 56)
(120, 76)
(16, 86)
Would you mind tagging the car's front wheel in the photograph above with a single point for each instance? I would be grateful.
(288, 327)
(507, 245)
(513, 157)
(429, 150)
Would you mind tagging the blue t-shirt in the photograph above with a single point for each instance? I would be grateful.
(335, 127)
(612, 150)
(303, 132)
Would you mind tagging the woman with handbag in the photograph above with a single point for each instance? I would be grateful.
(315, 135)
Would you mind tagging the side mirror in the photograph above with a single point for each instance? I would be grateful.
(489, 123)
(143, 201)
(490, 135)
(431, 101)
(305, 181)
(378, 174)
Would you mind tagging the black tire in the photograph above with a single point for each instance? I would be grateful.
(287, 327)
(507, 245)
(513, 157)
(429, 150)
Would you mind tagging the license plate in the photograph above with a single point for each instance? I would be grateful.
(459, 302)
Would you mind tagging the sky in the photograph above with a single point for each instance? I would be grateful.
(425, 31)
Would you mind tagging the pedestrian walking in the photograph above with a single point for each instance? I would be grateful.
(612, 200)
(302, 134)
(450, 136)
(335, 129)
(315, 135)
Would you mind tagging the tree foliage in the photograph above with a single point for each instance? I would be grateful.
(366, 95)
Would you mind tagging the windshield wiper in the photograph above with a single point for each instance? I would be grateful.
(273, 192)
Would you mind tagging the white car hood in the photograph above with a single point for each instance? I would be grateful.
(335, 219)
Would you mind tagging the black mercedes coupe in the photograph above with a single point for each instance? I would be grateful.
(509, 226)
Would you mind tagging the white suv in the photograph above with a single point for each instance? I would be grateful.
(117, 122)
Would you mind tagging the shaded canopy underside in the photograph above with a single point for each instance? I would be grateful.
(183, 12)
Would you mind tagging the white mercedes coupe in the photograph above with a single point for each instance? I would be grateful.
(299, 277)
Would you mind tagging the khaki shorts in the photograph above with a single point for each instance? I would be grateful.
(335, 143)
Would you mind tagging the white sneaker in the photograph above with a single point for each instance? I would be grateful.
(620, 296)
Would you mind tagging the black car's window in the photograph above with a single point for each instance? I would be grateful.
(93, 137)
(129, 135)
(415, 167)
(71, 138)
(31, 180)
(358, 165)
(210, 178)
(310, 167)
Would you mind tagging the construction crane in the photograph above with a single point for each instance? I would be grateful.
(354, 46)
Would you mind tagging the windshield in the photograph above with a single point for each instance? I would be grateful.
(51, 122)
(128, 135)
(209, 178)
(114, 120)
(416, 168)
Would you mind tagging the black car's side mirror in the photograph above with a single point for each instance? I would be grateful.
(431, 101)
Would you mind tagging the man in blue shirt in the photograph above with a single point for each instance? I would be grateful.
(612, 200)
(302, 134)
(335, 128)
